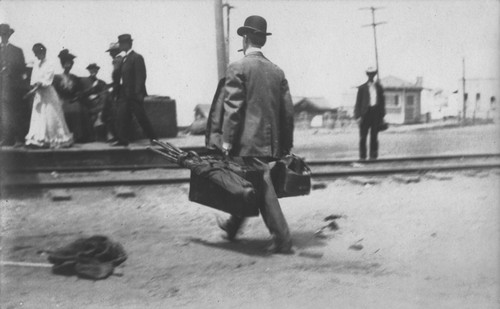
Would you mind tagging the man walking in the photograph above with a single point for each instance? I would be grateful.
(258, 125)
(369, 112)
(14, 112)
(132, 92)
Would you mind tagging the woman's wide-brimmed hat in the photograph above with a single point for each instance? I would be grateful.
(66, 55)
(6, 29)
(254, 24)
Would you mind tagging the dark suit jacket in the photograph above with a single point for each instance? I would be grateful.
(258, 108)
(12, 68)
(363, 101)
(133, 77)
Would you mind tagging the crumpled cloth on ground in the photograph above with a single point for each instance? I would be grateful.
(90, 258)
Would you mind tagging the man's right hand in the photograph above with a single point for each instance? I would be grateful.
(358, 121)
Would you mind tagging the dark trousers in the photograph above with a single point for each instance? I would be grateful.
(126, 108)
(14, 119)
(270, 208)
(369, 122)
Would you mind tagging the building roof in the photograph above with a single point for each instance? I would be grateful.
(394, 82)
(312, 104)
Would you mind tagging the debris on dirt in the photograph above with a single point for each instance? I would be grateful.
(357, 165)
(319, 186)
(356, 247)
(333, 226)
(124, 192)
(364, 180)
(482, 174)
(320, 234)
(438, 177)
(433, 234)
(406, 179)
(311, 254)
(332, 217)
(59, 195)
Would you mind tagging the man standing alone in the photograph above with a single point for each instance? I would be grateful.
(258, 125)
(369, 112)
(132, 92)
(14, 113)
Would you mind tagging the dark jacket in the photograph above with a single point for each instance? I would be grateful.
(133, 77)
(258, 108)
(12, 69)
(363, 101)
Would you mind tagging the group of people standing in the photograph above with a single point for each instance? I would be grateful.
(65, 108)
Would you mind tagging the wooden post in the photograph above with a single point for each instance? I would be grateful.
(219, 39)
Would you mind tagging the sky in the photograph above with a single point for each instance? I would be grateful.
(321, 45)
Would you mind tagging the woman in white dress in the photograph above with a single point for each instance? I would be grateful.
(48, 128)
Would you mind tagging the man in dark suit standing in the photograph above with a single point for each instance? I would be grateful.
(369, 113)
(14, 113)
(258, 125)
(132, 92)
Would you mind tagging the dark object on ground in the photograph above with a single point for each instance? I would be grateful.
(91, 258)
(356, 247)
(218, 182)
(291, 176)
(332, 217)
(318, 186)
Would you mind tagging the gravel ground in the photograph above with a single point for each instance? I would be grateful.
(431, 244)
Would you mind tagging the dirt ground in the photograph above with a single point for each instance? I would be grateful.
(431, 244)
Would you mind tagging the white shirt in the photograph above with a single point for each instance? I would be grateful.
(373, 93)
(253, 49)
(43, 72)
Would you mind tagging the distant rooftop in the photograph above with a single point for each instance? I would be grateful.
(398, 83)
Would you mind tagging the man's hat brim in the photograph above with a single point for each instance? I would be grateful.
(246, 30)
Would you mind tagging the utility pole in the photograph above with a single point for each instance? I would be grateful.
(464, 97)
(228, 10)
(374, 25)
(219, 39)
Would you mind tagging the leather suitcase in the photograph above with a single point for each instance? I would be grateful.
(243, 202)
(291, 177)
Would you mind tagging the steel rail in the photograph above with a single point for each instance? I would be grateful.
(328, 171)
(168, 165)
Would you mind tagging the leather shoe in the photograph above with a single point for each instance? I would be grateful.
(280, 249)
(231, 231)
(119, 143)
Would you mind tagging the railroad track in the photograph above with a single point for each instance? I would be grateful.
(92, 176)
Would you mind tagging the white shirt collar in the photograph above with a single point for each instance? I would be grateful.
(128, 52)
(253, 49)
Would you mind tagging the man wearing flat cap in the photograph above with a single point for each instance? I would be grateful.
(132, 92)
(14, 112)
(258, 125)
(369, 112)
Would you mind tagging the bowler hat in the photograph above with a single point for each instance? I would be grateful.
(371, 70)
(113, 46)
(254, 24)
(124, 38)
(6, 29)
(93, 66)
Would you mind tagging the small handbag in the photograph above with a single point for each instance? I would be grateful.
(291, 176)
(383, 125)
